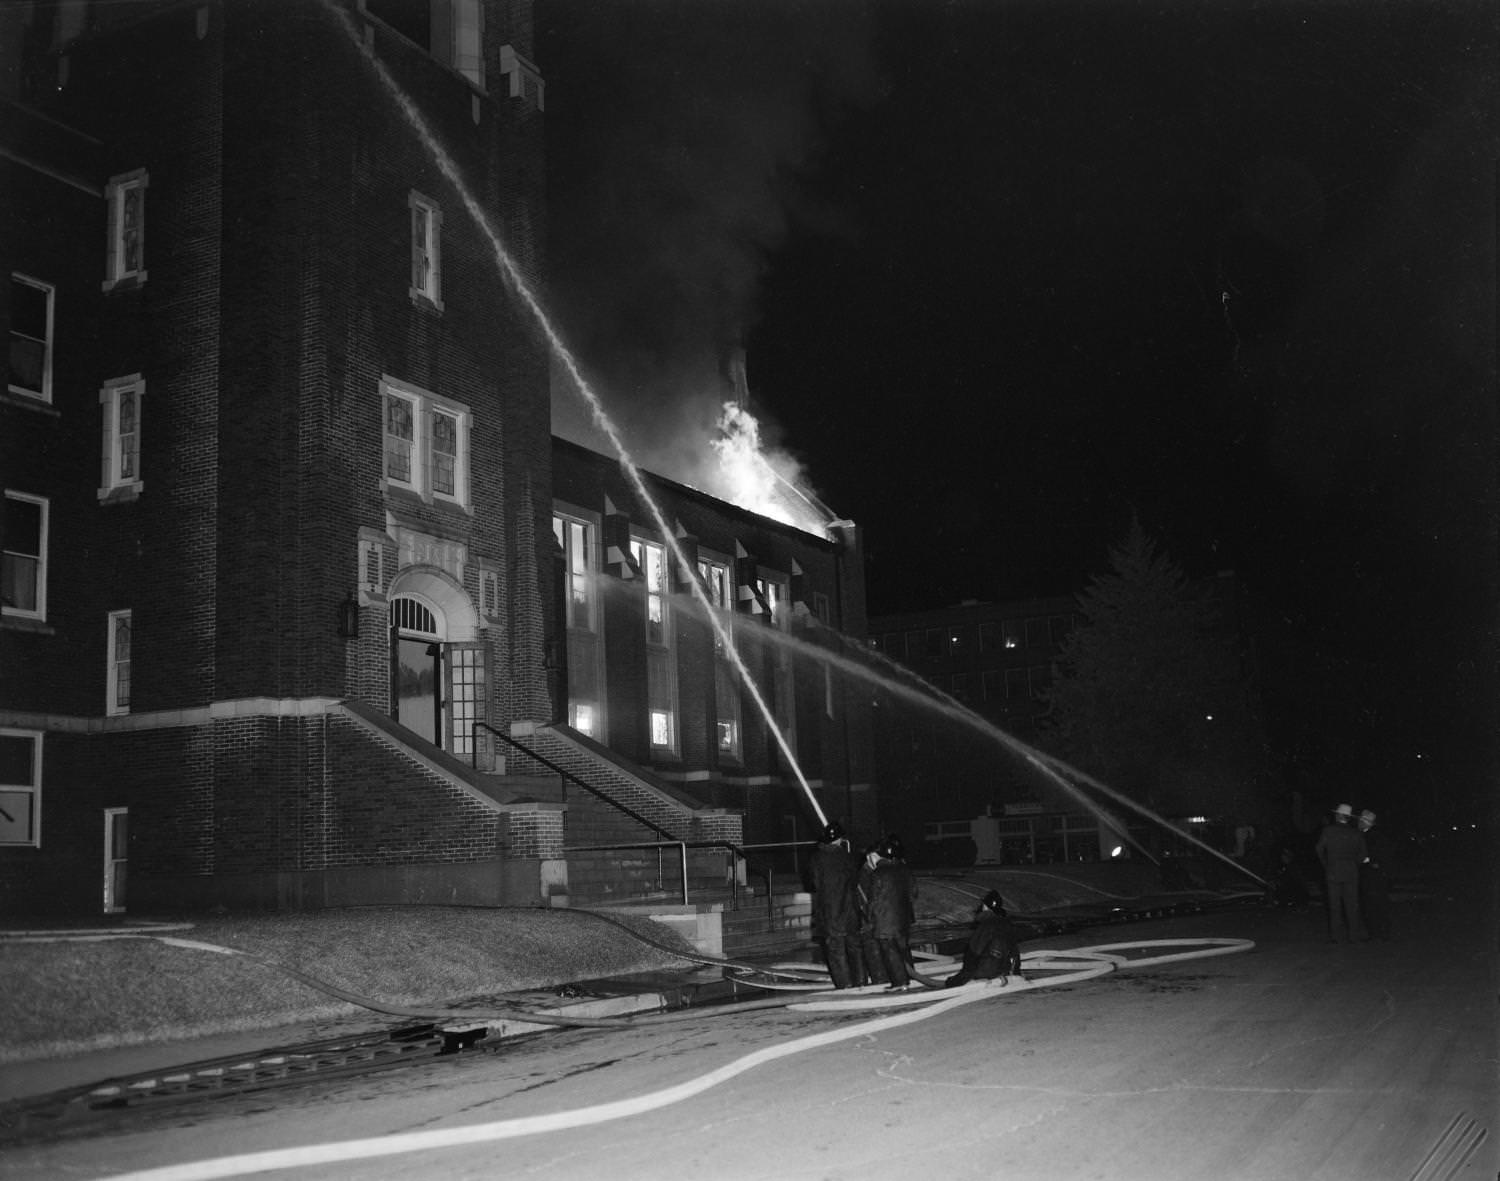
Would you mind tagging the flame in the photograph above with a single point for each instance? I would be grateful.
(763, 482)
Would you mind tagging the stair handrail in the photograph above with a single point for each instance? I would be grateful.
(566, 776)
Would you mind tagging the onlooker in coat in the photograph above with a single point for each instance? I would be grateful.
(892, 892)
(1341, 849)
(992, 952)
(835, 907)
(1374, 879)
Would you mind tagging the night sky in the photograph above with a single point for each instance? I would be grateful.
(1007, 273)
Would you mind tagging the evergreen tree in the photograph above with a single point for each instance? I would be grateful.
(1149, 695)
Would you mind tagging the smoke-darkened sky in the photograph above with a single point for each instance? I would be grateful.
(1008, 272)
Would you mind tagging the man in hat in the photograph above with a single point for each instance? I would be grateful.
(1341, 849)
(835, 909)
(1374, 884)
(992, 953)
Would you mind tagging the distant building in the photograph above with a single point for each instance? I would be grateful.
(282, 586)
(956, 792)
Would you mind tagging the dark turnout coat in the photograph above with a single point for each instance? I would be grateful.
(831, 878)
(891, 892)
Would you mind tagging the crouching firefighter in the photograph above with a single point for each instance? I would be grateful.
(992, 953)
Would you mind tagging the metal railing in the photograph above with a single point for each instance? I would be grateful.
(734, 854)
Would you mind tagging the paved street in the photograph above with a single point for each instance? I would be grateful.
(1299, 1059)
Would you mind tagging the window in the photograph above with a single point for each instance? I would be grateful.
(450, 30)
(125, 261)
(989, 637)
(1041, 680)
(489, 593)
(371, 568)
(30, 371)
(1015, 684)
(117, 696)
(958, 641)
(20, 787)
(1036, 633)
(23, 556)
(576, 538)
(120, 402)
(914, 648)
(573, 536)
(937, 643)
(822, 609)
(961, 686)
(719, 589)
(992, 684)
(426, 251)
(426, 443)
(661, 688)
(1058, 627)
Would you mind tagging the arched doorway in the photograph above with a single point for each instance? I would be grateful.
(437, 659)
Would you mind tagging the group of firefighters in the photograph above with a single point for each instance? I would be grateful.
(864, 906)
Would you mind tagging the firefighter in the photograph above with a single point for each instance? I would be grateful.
(835, 907)
(992, 953)
(891, 891)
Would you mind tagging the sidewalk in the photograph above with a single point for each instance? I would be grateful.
(80, 1005)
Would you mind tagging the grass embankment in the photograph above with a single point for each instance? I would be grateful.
(73, 995)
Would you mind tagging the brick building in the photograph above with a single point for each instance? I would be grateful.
(276, 459)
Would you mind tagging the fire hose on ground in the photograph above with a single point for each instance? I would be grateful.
(1071, 966)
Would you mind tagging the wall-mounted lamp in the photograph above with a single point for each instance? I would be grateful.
(349, 618)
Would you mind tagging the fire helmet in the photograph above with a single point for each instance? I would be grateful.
(832, 831)
(891, 848)
(993, 902)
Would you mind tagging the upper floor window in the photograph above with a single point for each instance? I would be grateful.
(30, 371)
(20, 787)
(652, 560)
(426, 443)
(426, 251)
(23, 556)
(573, 536)
(120, 402)
(125, 258)
(452, 31)
(719, 590)
(117, 694)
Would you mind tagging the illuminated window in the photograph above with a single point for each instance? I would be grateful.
(719, 588)
(117, 698)
(661, 683)
(426, 251)
(125, 259)
(426, 443)
(576, 539)
(1014, 633)
(120, 405)
(30, 371)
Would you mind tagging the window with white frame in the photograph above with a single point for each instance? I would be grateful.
(661, 685)
(117, 695)
(20, 787)
(719, 589)
(31, 310)
(23, 556)
(125, 259)
(426, 250)
(120, 405)
(577, 538)
(775, 592)
(426, 443)
(452, 31)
